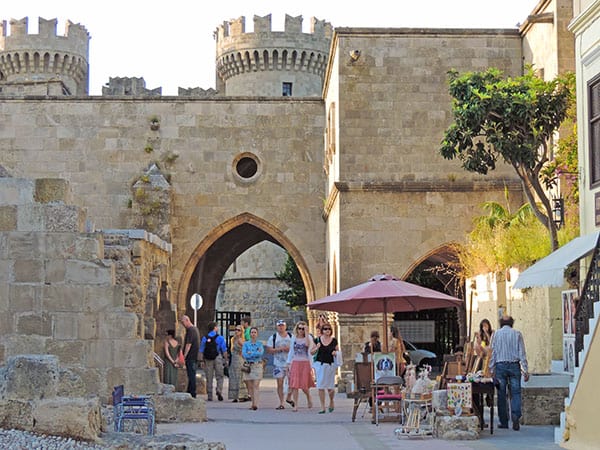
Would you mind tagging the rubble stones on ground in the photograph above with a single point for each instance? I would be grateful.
(17, 439)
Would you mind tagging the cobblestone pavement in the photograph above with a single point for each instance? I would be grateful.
(267, 428)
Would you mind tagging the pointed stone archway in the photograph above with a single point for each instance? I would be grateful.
(216, 252)
(439, 269)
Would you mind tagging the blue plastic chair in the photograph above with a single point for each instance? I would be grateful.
(132, 408)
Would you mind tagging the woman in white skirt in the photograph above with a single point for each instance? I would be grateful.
(326, 349)
(253, 351)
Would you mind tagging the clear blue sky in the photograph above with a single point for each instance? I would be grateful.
(171, 44)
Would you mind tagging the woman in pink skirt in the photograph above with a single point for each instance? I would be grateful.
(299, 358)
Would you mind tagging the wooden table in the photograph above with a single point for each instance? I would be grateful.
(480, 391)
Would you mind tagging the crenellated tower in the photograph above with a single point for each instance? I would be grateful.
(43, 63)
(272, 63)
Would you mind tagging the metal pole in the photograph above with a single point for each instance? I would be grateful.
(470, 317)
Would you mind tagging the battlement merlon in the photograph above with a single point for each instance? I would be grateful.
(75, 40)
(235, 28)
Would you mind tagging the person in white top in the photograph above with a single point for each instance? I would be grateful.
(279, 346)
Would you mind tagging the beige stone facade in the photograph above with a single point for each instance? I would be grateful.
(349, 182)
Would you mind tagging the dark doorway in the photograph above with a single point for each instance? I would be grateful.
(227, 320)
(440, 271)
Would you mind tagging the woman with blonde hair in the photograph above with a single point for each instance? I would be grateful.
(398, 347)
(237, 389)
(299, 359)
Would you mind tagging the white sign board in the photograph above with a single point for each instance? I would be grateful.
(196, 301)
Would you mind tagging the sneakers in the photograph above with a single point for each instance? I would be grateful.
(516, 425)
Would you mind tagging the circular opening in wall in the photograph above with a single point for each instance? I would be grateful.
(246, 167)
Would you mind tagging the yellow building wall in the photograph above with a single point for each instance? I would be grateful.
(582, 431)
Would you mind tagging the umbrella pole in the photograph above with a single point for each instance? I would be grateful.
(385, 327)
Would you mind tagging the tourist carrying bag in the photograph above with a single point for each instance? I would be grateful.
(338, 360)
(180, 359)
(246, 367)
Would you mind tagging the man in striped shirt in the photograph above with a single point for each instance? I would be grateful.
(507, 362)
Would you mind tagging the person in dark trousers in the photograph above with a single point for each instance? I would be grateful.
(507, 362)
(191, 345)
(213, 351)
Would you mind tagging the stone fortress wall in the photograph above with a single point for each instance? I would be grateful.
(36, 59)
(257, 63)
(386, 198)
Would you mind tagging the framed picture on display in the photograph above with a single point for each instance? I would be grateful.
(384, 364)
(569, 302)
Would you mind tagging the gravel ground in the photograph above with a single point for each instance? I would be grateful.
(24, 440)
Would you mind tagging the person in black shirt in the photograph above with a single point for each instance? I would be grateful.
(325, 369)
(191, 345)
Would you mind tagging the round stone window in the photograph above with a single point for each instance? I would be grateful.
(246, 167)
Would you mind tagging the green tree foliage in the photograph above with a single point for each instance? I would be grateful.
(501, 239)
(295, 295)
(511, 119)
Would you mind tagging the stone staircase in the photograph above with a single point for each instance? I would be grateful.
(588, 312)
(593, 322)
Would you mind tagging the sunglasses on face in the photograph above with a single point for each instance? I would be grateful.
(300, 328)
(326, 329)
(238, 329)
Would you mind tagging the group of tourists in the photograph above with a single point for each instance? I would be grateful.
(296, 356)
(299, 359)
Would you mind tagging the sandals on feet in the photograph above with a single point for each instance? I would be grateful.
(291, 403)
(322, 412)
(280, 407)
(330, 409)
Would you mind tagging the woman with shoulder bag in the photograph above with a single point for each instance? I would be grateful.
(237, 389)
(325, 367)
(253, 351)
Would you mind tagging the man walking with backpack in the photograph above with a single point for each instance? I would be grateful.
(279, 346)
(213, 351)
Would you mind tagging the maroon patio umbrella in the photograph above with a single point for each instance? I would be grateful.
(383, 294)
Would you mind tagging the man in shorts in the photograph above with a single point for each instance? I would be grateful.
(279, 346)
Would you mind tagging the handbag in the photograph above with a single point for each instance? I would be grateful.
(180, 359)
(338, 360)
(246, 368)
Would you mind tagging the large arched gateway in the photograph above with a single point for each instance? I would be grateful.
(217, 251)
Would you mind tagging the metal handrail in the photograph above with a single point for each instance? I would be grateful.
(160, 363)
(590, 294)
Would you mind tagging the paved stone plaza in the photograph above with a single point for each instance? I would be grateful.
(240, 428)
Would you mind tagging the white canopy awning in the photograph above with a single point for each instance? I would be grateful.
(550, 271)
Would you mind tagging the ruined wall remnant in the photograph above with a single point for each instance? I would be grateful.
(61, 295)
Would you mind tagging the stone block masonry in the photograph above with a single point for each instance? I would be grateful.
(61, 297)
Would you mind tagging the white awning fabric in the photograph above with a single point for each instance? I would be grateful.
(550, 271)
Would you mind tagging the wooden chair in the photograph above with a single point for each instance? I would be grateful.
(363, 377)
